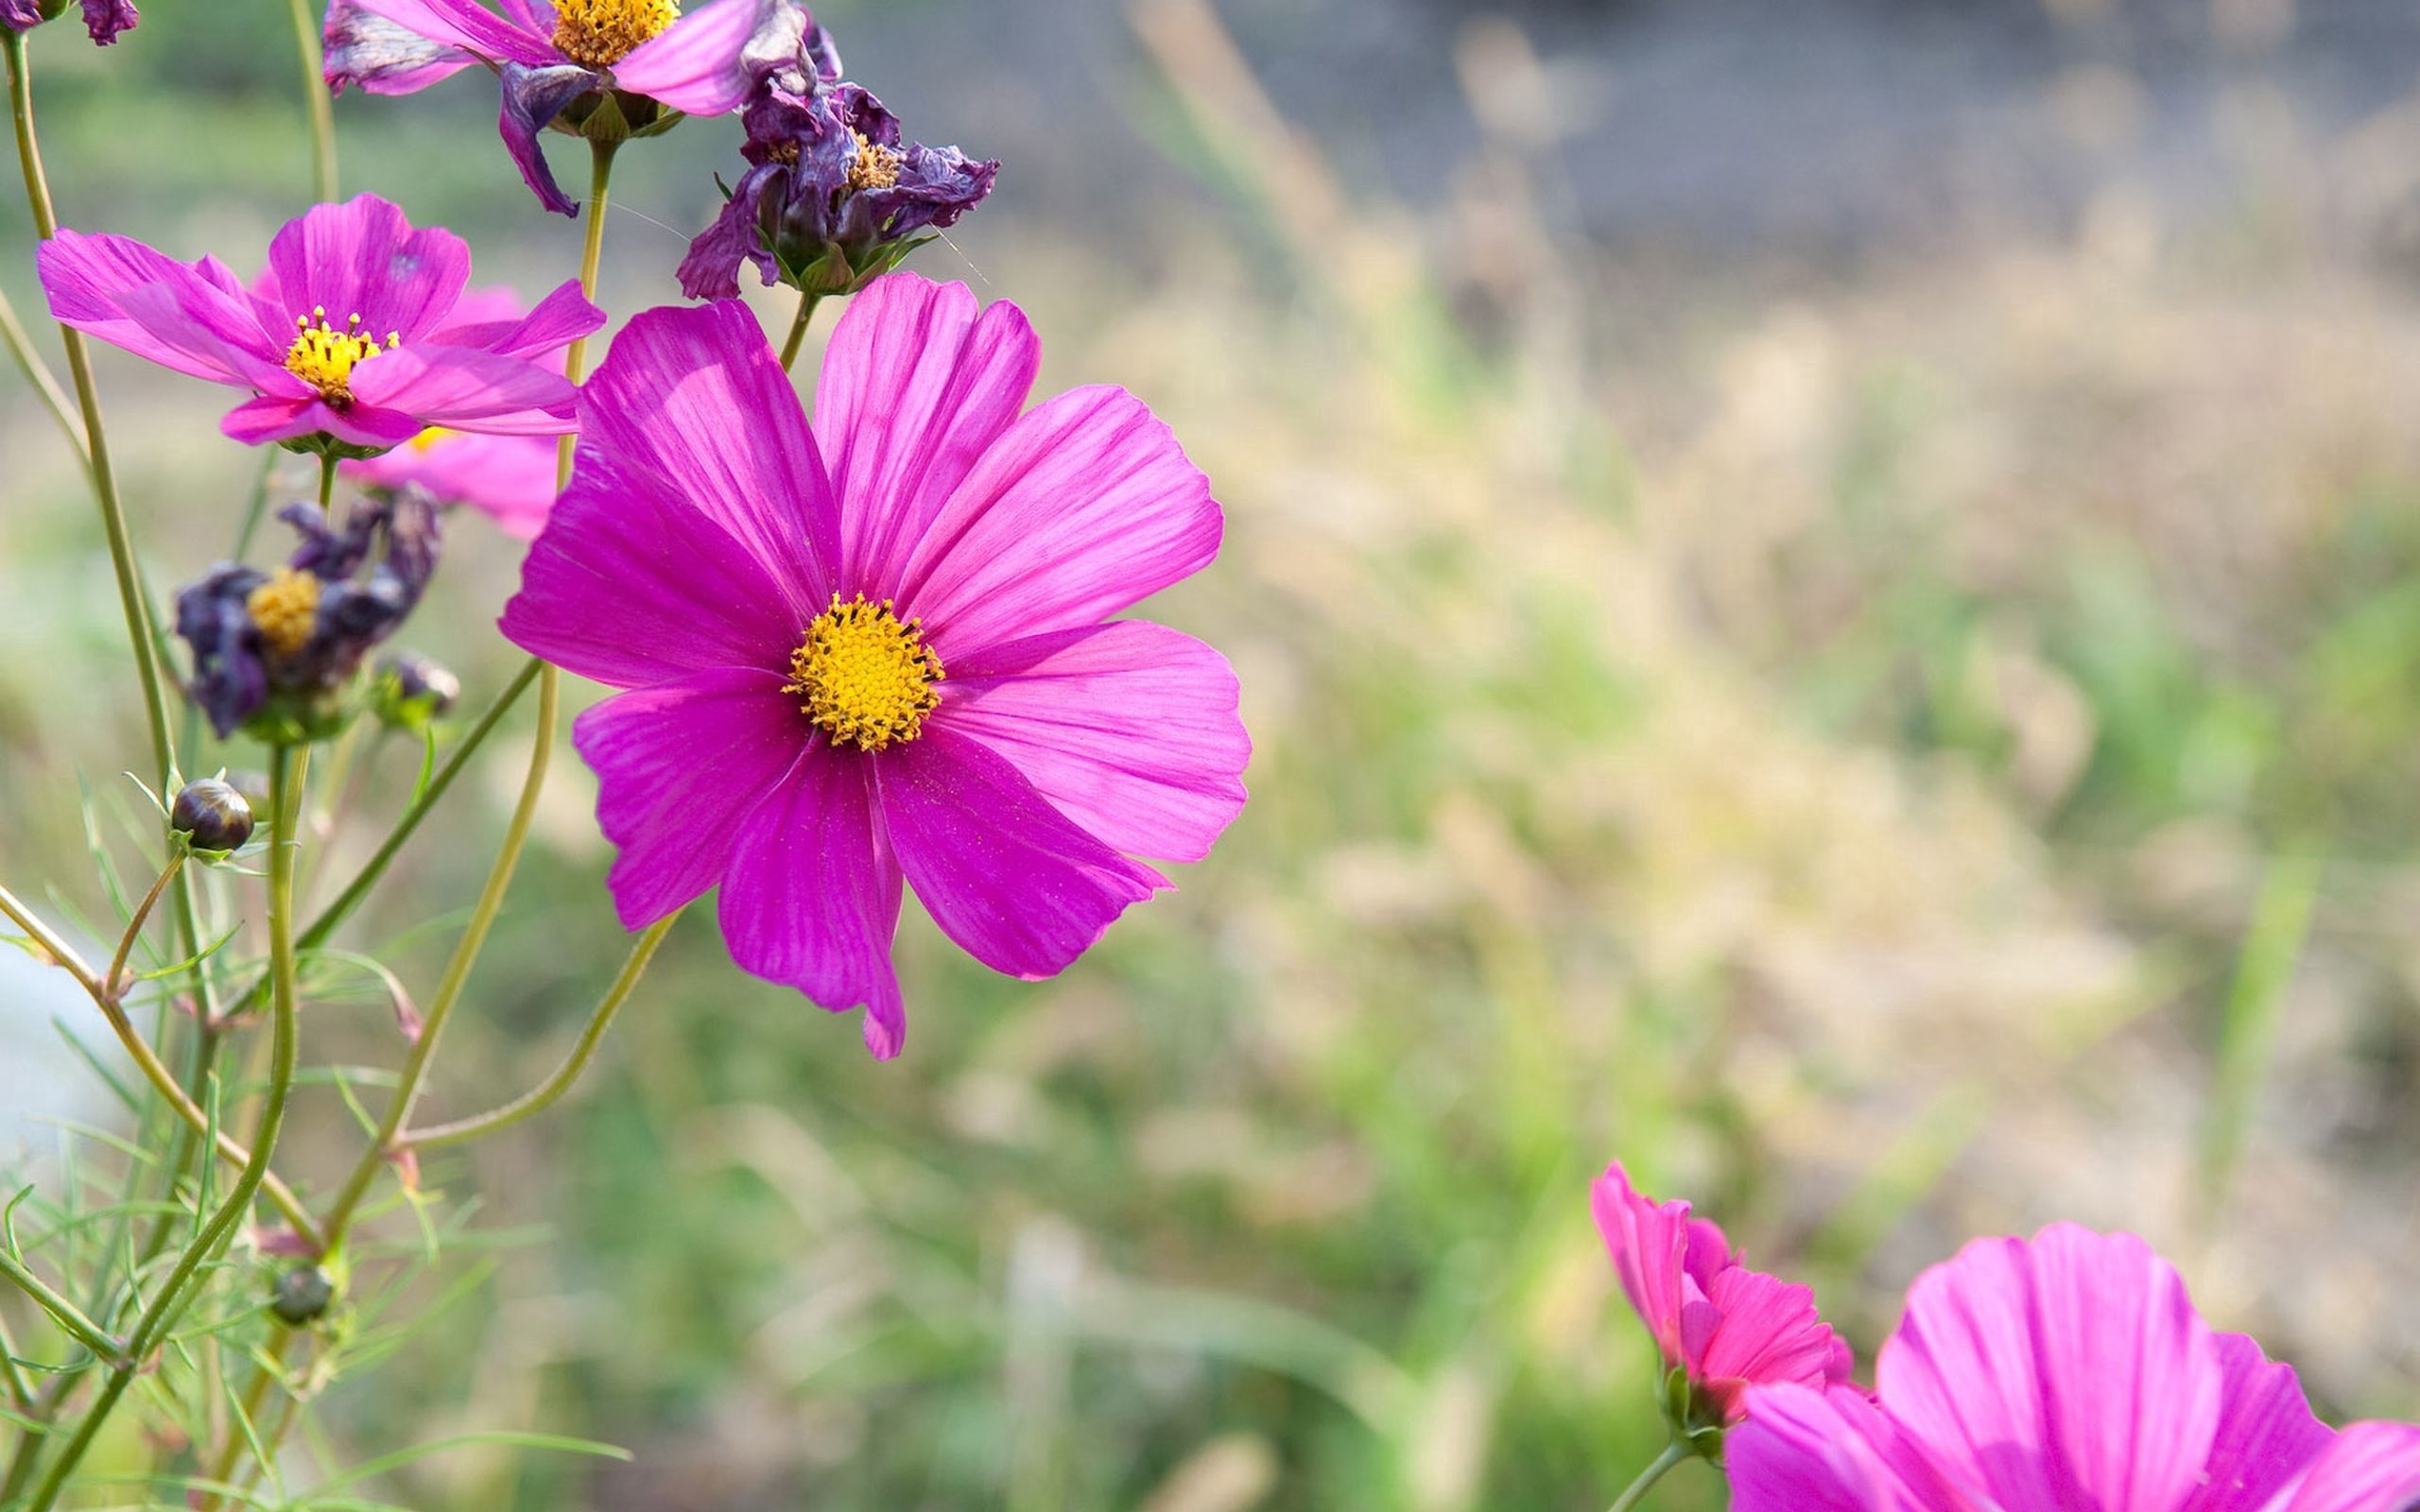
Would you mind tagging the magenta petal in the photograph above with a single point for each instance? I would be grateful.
(363, 258)
(382, 55)
(1130, 728)
(1646, 1241)
(508, 478)
(698, 65)
(561, 318)
(2071, 1370)
(630, 585)
(678, 766)
(1766, 1330)
(468, 25)
(2266, 1432)
(130, 295)
(276, 418)
(916, 385)
(468, 390)
(2369, 1467)
(1806, 1450)
(1007, 876)
(698, 396)
(812, 896)
(1084, 506)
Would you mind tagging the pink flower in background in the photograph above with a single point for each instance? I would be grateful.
(1724, 1325)
(873, 653)
(2067, 1373)
(353, 334)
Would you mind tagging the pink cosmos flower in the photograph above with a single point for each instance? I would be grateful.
(875, 650)
(1725, 1326)
(352, 336)
(2069, 1373)
(549, 56)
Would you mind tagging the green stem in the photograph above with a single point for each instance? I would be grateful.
(285, 787)
(21, 346)
(111, 985)
(315, 94)
(1673, 1453)
(65, 1314)
(21, 1391)
(592, 255)
(799, 323)
(548, 1093)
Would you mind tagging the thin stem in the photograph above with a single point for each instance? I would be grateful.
(61, 954)
(592, 255)
(21, 1391)
(168, 1304)
(551, 1091)
(315, 94)
(21, 346)
(70, 1317)
(111, 987)
(799, 323)
(1673, 1453)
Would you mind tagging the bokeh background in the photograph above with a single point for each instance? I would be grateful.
(1829, 599)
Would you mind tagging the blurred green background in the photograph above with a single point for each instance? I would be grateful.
(1826, 596)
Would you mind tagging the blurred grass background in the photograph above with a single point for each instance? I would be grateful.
(1827, 599)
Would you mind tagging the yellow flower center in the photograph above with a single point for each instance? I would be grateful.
(430, 437)
(324, 356)
(867, 678)
(876, 167)
(285, 609)
(602, 33)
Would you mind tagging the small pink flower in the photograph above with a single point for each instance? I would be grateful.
(2067, 1373)
(1726, 1327)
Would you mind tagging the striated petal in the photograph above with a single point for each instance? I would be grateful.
(531, 98)
(1083, 506)
(1766, 1331)
(171, 313)
(468, 25)
(1004, 874)
(916, 386)
(1130, 728)
(2266, 1432)
(697, 396)
(812, 897)
(2368, 1467)
(363, 258)
(276, 418)
(468, 390)
(508, 478)
(383, 57)
(699, 65)
(561, 318)
(678, 766)
(1647, 1241)
(1800, 1449)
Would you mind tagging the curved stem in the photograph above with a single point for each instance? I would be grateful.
(799, 323)
(551, 1091)
(168, 1304)
(21, 346)
(111, 987)
(1673, 1453)
(315, 94)
(70, 1317)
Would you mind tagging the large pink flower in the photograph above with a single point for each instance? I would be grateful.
(353, 332)
(875, 650)
(2069, 1373)
(1724, 1325)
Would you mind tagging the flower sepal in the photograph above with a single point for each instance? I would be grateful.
(303, 717)
(319, 443)
(832, 269)
(1696, 1419)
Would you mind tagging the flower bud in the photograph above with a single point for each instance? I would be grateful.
(212, 816)
(301, 1295)
(414, 689)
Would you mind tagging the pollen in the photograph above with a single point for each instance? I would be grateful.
(324, 356)
(285, 609)
(876, 167)
(600, 33)
(866, 677)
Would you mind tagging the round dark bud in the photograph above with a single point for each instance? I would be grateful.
(212, 816)
(412, 690)
(301, 1295)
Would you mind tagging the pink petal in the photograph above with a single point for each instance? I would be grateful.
(1768, 1332)
(679, 767)
(812, 896)
(1805, 1450)
(630, 585)
(497, 324)
(915, 386)
(2369, 1467)
(1646, 1241)
(363, 258)
(130, 295)
(277, 418)
(380, 55)
(697, 65)
(2266, 1430)
(2068, 1371)
(1007, 876)
(1129, 728)
(468, 25)
(1084, 506)
(696, 395)
(467, 391)
(508, 478)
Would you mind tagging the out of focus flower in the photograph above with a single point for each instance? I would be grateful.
(414, 689)
(600, 68)
(103, 18)
(1721, 1328)
(351, 342)
(213, 816)
(275, 651)
(875, 651)
(833, 197)
(2070, 1371)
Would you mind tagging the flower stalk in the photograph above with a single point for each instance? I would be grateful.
(1656, 1470)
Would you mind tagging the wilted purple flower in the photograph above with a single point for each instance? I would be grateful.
(833, 199)
(103, 18)
(274, 650)
(356, 338)
(602, 68)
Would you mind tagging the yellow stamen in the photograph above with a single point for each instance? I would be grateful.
(866, 677)
(602, 33)
(876, 167)
(430, 437)
(324, 357)
(285, 609)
